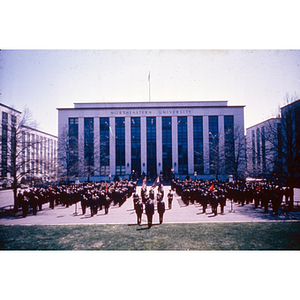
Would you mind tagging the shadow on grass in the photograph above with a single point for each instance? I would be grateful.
(145, 228)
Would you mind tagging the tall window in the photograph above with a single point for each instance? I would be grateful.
(89, 145)
(214, 162)
(198, 144)
(28, 153)
(263, 149)
(258, 147)
(136, 145)
(73, 147)
(167, 145)
(120, 146)
(253, 148)
(13, 142)
(229, 144)
(4, 144)
(182, 145)
(104, 146)
(151, 146)
(279, 138)
(32, 159)
(23, 151)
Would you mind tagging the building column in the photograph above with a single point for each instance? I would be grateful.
(175, 144)
(143, 145)
(128, 145)
(206, 145)
(96, 146)
(190, 133)
(81, 147)
(159, 157)
(112, 146)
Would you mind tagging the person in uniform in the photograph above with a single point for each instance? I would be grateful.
(222, 201)
(25, 206)
(83, 203)
(106, 204)
(151, 194)
(51, 198)
(204, 201)
(34, 204)
(214, 203)
(161, 209)
(276, 199)
(170, 199)
(139, 211)
(149, 212)
(19, 199)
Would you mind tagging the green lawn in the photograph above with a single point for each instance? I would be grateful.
(200, 236)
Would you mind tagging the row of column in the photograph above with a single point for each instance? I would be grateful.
(159, 158)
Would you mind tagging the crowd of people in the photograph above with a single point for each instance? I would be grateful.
(94, 196)
(147, 201)
(215, 193)
(98, 196)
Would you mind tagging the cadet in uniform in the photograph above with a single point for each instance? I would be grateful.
(149, 212)
(25, 206)
(161, 209)
(170, 199)
(139, 210)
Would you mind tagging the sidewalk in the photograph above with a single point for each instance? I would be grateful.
(126, 214)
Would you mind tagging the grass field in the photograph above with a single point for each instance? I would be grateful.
(195, 236)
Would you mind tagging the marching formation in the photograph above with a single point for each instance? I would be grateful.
(94, 196)
(148, 200)
(214, 194)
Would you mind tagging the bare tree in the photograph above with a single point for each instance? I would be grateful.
(288, 164)
(19, 158)
(75, 161)
(283, 154)
(235, 152)
(68, 158)
(216, 158)
(228, 153)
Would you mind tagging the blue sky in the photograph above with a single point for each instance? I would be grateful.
(46, 78)
(43, 80)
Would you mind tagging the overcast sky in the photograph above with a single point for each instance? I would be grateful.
(46, 79)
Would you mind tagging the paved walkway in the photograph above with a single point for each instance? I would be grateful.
(126, 214)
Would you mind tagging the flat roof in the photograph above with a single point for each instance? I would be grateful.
(43, 132)
(268, 120)
(6, 106)
(151, 104)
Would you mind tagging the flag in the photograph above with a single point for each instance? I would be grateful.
(144, 182)
(156, 181)
(211, 187)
